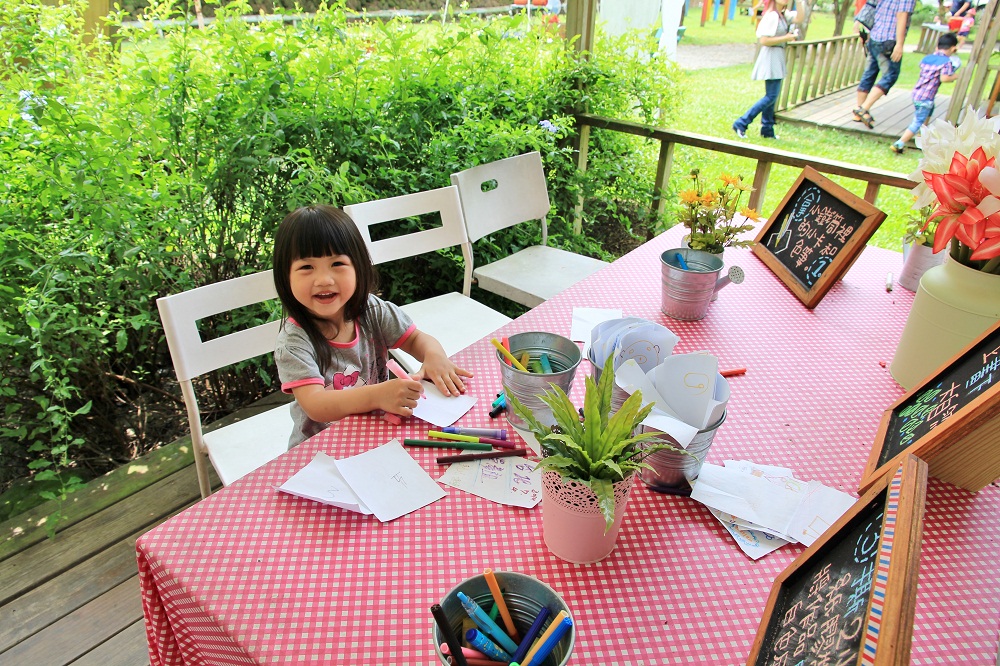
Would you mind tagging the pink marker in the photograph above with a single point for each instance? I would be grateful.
(467, 652)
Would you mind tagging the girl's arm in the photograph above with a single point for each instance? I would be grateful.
(396, 396)
(437, 367)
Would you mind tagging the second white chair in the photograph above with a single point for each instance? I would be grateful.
(504, 193)
(455, 319)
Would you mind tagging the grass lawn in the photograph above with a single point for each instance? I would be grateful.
(713, 98)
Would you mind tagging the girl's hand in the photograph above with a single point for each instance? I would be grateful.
(399, 396)
(447, 376)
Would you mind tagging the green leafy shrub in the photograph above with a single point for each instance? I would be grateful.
(164, 161)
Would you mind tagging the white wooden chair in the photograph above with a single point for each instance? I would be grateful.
(239, 448)
(454, 318)
(504, 193)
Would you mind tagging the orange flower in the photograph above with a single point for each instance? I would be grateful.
(959, 193)
(750, 214)
(689, 197)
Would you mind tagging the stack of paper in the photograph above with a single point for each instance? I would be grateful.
(764, 507)
(385, 481)
(514, 481)
(631, 339)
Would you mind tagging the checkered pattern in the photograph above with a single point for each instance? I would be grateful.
(253, 576)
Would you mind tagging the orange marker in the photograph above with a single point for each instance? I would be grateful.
(508, 621)
(733, 372)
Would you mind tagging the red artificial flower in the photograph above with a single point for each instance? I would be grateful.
(959, 193)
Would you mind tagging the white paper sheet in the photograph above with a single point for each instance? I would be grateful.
(687, 382)
(389, 481)
(820, 507)
(646, 345)
(604, 335)
(442, 410)
(584, 321)
(630, 378)
(746, 496)
(754, 543)
(321, 481)
(513, 481)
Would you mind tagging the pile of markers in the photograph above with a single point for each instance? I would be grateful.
(490, 644)
(469, 439)
(526, 363)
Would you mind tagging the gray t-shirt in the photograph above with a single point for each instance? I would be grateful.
(358, 363)
(770, 62)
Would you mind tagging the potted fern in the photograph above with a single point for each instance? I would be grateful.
(589, 464)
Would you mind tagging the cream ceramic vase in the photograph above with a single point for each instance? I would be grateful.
(953, 306)
(572, 522)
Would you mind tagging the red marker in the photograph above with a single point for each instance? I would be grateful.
(734, 372)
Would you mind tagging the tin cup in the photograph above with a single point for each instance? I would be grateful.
(672, 471)
(564, 357)
(524, 597)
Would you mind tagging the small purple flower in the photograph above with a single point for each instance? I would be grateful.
(545, 124)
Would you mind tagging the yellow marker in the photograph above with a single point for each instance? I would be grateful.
(508, 621)
(455, 437)
(508, 355)
(525, 358)
(556, 621)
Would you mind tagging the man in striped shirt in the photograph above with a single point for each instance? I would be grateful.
(885, 54)
(935, 69)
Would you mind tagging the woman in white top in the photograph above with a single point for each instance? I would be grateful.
(772, 33)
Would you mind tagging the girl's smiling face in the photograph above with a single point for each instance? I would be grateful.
(324, 285)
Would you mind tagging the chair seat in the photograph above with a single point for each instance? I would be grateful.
(535, 274)
(241, 447)
(455, 320)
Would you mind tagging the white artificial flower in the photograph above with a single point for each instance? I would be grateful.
(940, 140)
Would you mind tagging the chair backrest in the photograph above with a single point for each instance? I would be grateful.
(520, 195)
(180, 314)
(443, 201)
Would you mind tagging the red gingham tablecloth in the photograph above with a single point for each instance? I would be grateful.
(253, 576)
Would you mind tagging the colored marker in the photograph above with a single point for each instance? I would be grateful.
(550, 643)
(734, 372)
(680, 260)
(498, 442)
(392, 418)
(396, 369)
(465, 457)
(525, 357)
(476, 661)
(536, 367)
(501, 400)
(546, 363)
(455, 437)
(468, 652)
(497, 411)
(448, 634)
(495, 433)
(505, 342)
(436, 443)
(484, 622)
(529, 638)
(556, 621)
(507, 355)
(508, 621)
(888, 282)
(478, 640)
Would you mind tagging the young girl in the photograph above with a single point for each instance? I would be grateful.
(333, 345)
(772, 33)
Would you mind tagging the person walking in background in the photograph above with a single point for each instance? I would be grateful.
(885, 54)
(935, 69)
(773, 33)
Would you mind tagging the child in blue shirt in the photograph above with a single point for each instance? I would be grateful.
(935, 69)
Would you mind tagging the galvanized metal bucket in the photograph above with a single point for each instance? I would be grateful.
(688, 291)
(564, 357)
(618, 394)
(673, 472)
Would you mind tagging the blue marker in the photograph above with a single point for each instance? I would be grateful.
(533, 632)
(478, 640)
(501, 400)
(495, 433)
(680, 260)
(546, 365)
(550, 644)
(484, 622)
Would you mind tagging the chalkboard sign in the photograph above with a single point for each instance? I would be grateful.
(849, 598)
(815, 234)
(951, 420)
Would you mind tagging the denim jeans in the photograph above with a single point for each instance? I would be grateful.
(764, 107)
(879, 61)
(921, 112)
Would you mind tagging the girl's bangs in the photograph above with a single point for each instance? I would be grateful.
(315, 236)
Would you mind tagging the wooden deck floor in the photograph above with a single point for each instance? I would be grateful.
(892, 113)
(74, 599)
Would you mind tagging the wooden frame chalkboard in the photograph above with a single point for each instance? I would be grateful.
(951, 420)
(815, 234)
(849, 598)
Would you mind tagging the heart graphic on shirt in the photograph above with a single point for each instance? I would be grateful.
(342, 381)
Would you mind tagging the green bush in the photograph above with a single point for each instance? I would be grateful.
(165, 161)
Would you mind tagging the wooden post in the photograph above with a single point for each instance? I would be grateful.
(93, 19)
(581, 17)
(760, 176)
(581, 166)
(662, 182)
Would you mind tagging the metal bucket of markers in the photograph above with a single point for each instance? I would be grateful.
(687, 292)
(672, 471)
(524, 597)
(563, 356)
(618, 394)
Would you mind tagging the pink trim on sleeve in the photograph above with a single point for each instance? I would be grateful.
(288, 386)
(402, 338)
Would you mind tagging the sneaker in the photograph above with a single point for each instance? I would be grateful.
(740, 133)
(773, 137)
(898, 147)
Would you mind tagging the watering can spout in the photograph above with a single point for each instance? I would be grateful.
(735, 276)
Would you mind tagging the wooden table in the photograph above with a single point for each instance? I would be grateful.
(253, 576)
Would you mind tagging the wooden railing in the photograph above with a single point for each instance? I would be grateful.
(820, 67)
(765, 158)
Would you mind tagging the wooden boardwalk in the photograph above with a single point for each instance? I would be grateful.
(892, 113)
(74, 599)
